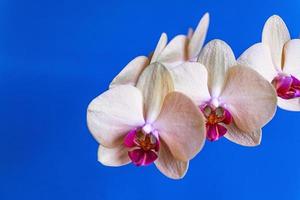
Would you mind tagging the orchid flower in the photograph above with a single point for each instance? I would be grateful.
(132, 71)
(147, 124)
(277, 58)
(184, 48)
(236, 101)
(179, 50)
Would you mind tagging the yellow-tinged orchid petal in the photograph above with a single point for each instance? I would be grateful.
(185, 48)
(155, 83)
(181, 126)
(161, 44)
(113, 157)
(217, 57)
(275, 35)
(131, 72)
(191, 79)
(291, 52)
(197, 37)
(249, 97)
(114, 113)
(170, 166)
(258, 57)
(175, 52)
(249, 139)
(289, 104)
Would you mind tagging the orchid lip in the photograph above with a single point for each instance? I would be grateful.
(216, 118)
(143, 145)
(287, 86)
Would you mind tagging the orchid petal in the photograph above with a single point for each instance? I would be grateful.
(275, 35)
(131, 72)
(170, 166)
(249, 97)
(114, 113)
(190, 78)
(289, 104)
(162, 43)
(258, 57)
(291, 54)
(198, 37)
(181, 125)
(175, 52)
(113, 157)
(154, 83)
(217, 57)
(249, 139)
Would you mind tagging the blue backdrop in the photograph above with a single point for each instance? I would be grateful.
(57, 55)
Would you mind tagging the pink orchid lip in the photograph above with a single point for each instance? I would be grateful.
(143, 144)
(216, 117)
(287, 87)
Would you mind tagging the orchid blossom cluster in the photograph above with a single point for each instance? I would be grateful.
(160, 109)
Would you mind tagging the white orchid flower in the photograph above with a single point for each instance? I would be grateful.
(179, 50)
(236, 101)
(147, 124)
(132, 71)
(184, 48)
(277, 58)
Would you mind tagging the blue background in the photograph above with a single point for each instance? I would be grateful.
(57, 55)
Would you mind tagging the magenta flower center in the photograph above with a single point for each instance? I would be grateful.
(287, 87)
(216, 118)
(143, 146)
